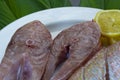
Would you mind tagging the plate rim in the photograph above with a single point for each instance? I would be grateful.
(48, 12)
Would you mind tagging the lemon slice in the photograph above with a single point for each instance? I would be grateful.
(114, 40)
(109, 22)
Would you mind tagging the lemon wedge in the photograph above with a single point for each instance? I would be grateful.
(109, 23)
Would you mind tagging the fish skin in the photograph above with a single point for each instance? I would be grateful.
(20, 70)
(93, 70)
(96, 68)
(113, 59)
(32, 39)
(80, 41)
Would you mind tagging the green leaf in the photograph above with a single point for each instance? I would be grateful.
(102, 4)
(112, 4)
(11, 10)
(59, 3)
(24, 7)
(54, 3)
(21, 8)
(6, 16)
(44, 3)
(92, 3)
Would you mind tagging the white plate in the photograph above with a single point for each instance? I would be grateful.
(55, 19)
